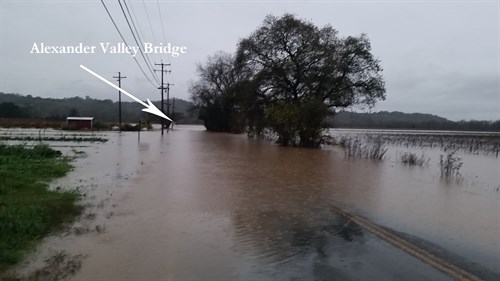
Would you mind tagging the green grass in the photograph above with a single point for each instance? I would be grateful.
(28, 210)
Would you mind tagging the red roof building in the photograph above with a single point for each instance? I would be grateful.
(80, 123)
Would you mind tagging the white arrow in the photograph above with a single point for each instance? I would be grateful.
(150, 107)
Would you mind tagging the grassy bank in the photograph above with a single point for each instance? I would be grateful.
(28, 210)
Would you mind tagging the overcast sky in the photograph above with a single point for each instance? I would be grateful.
(439, 57)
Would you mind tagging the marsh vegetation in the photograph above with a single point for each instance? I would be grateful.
(356, 147)
(412, 159)
(444, 150)
(450, 165)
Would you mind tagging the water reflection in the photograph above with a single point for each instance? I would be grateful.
(271, 237)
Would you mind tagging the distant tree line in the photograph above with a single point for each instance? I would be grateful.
(416, 121)
(24, 107)
(288, 76)
(19, 106)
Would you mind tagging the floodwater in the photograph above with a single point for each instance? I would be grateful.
(194, 205)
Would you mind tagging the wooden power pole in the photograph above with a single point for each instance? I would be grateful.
(119, 78)
(173, 112)
(162, 88)
(168, 100)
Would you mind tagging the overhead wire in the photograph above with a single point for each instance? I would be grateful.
(162, 25)
(143, 36)
(135, 18)
(146, 60)
(149, 21)
(137, 26)
(161, 21)
(124, 41)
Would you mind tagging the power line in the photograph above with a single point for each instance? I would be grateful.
(149, 21)
(124, 41)
(132, 18)
(161, 19)
(135, 18)
(138, 44)
(162, 28)
(143, 36)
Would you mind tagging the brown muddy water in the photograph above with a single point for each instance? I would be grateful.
(194, 205)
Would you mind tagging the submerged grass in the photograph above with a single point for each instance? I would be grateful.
(28, 209)
(357, 148)
(450, 165)
(411, 159)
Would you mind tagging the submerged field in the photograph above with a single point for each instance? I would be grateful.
(169, 204)
(28, 209)
(477, 143)
(49, 135)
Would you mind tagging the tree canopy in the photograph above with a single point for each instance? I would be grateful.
(287, 76)
(219, 93)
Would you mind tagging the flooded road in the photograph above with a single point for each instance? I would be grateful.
(194, 205)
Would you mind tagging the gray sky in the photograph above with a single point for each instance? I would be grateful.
(439, 57)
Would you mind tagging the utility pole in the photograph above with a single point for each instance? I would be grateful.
(162, 88)
(168, 99)
(173, 112)
(119, 78)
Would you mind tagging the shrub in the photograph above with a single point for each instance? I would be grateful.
(450, 165)
(412, 159)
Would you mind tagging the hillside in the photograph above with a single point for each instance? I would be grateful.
(400, 120)
(19, 106)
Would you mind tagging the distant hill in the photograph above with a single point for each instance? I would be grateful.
(19, 106)
(400, 120)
